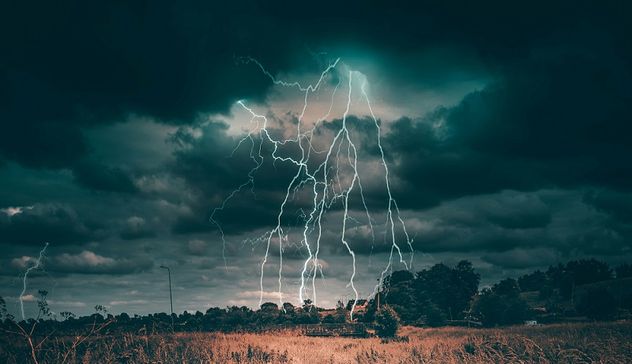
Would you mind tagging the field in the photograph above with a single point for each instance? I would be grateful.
(564, 343)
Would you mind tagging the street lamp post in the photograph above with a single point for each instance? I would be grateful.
(170, 295)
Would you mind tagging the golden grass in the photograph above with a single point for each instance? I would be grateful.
(564, 343)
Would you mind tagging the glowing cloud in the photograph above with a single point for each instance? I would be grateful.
(330, 176)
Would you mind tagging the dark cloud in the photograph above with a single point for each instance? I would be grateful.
(98, 177)
(54, 223)
(136, 228)
(553, 120)
(88, 262)
(207, 160)
(614, 203)
(557, 222)
(197, 247)
(74, 65)
(523, 258)
(516, 211)
(505, 130)
(41, 145)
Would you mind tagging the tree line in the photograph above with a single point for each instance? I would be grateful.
(586, 288)
(435, 296)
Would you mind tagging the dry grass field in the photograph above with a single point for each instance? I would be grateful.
(564, 343)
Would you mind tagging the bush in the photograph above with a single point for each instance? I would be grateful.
(386, 322)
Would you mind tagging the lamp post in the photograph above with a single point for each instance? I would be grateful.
(170, 295)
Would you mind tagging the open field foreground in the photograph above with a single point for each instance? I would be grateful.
(563, 343)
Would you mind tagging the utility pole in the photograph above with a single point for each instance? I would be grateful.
(378, 296)
(170, 295)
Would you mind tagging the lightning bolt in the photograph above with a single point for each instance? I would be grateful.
(37, 265)
(324, 178)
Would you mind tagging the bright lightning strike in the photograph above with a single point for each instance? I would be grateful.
(323, 176)
(37, 265)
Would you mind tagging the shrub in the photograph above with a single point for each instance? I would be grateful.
(386, 322)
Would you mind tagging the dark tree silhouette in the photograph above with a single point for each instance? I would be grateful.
(598, 304)
(533, 281)
(507, 287)
(588, 271)
(386, 322)
(442, 288)
(269, 307)
(450, 289)
(624, 271)
(288, 307)
(577, 272)
(496, 308)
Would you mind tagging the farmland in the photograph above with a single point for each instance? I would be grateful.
(559, 343)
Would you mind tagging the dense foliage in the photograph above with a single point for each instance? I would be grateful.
(442, 295)
(435, 296)
(501, 304)
(438, 293)
(386, 322)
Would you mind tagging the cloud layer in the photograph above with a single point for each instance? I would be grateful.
(506, 128)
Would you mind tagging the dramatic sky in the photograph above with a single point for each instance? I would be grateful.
(506, 127)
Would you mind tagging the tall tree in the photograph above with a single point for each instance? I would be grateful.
(624, 271)
(450, 289)
(440, 291)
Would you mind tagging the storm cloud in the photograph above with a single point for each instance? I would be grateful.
(505, 127)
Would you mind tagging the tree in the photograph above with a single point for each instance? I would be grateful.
(578, 272)
(269, 307)
(398, 292)
(546, 292)
(309, 316)
(500, 305)
(598, 304)
(624, 271)
(626, 302)
(237, 316)
(386, 322)
(213, 318)
(398, 277)
(516, 312)
(450, 289)
(435, 317)
(67, 315)
(490, 307)
(507, 287)
(307, 305)
(335, 318)
(441, 287)
(268, 314)
(533, 282)
(42, 304)
(340, 305)
(288, 307)
(4, 313)
(586, 271)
